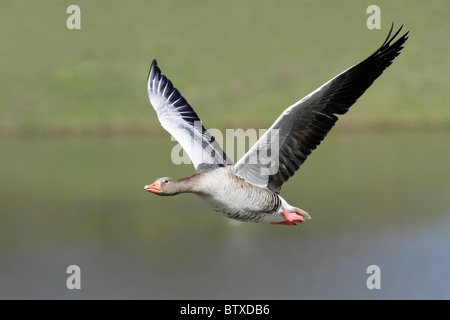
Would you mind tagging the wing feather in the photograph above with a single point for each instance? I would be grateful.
(182, 122)
(302, 126)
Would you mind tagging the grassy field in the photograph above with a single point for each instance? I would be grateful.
(239, 63)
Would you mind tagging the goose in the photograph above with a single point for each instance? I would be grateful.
(249, 190)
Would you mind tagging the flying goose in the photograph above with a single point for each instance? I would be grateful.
(249, 190)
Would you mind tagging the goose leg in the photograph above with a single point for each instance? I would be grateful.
(291, 217)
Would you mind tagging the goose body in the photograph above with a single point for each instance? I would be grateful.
(232, 196)
(249, 190)
(237, 199)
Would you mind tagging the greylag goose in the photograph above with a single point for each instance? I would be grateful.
(249, 190)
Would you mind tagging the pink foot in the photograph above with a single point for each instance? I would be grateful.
(291, 217)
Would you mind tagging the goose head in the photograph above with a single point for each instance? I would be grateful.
(164, 187)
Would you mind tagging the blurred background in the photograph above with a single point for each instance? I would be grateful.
(79, 140)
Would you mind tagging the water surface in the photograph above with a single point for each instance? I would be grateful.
(375, 199)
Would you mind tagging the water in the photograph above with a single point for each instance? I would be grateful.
(375, 199)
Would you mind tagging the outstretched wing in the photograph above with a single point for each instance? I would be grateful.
(301, 127)
(181, 121)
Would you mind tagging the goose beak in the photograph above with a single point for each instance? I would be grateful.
(155, 187)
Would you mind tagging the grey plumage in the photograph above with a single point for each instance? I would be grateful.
(304, 125)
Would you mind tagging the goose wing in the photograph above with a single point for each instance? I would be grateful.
(301, 127)
(180, 120)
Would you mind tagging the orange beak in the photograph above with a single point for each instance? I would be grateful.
(155, 187)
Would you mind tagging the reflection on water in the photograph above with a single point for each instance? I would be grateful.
(374, 200)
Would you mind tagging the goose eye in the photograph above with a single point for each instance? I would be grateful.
(166, 181)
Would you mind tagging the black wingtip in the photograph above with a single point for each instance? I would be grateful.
(389, 34)
(152, 68)
(390, 38)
